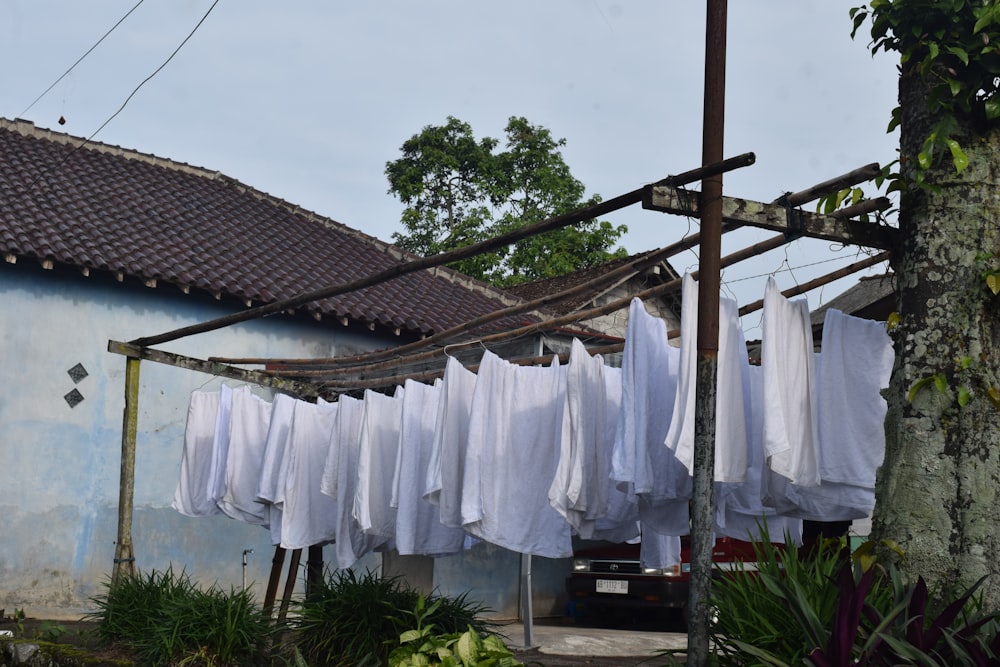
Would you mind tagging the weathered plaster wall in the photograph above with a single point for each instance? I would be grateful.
(59, 466)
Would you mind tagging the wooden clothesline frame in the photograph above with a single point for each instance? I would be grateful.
(666, 195)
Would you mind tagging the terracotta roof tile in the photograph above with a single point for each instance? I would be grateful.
(111, 209)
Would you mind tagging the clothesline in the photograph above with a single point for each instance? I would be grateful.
(581, 447)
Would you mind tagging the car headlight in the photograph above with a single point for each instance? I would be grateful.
(581, 565)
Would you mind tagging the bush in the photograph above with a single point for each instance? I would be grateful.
(833, 608)
(164, 618)
(352, 619)
(423, 645)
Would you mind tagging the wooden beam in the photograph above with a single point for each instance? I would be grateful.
(430, 261)
(792, 222)
(299, 389)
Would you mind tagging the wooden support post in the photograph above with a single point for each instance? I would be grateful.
(124, 557)
(314, 570)
(272, 582)
(286, 595)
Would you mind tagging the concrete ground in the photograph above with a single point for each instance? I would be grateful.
(561, 644)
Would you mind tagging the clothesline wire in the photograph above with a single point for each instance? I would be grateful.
(346, 384)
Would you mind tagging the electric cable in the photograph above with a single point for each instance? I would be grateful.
(79, 60)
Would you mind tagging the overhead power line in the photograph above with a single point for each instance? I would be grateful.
(79, 60)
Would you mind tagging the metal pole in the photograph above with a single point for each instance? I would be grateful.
(246, 552)
(124, 563)
(527, 610)
(702, 501)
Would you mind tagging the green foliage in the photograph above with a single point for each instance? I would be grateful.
(459, 191)
(751, 614)
(954, 46)
(841, 610)
(422, 646)
(354, 619)
(164, 618)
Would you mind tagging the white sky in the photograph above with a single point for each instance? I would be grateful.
(308, 99)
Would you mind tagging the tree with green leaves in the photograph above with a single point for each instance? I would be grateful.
(938, 491)
(459, 190)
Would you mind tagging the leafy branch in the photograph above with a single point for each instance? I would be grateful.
(954, 46)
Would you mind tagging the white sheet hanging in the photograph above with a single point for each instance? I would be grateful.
(377, 463)
(579, 489)
(340, 480)
(446, 465)
(513, 451)
(248, 425)
(730, 403)
(274, 466)
(643, 466)
(192, 497)
(308, 516)
(418, 523)
(791, 439)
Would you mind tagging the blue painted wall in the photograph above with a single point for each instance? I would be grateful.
(59, 465)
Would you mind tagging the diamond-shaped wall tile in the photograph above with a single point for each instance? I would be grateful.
(78, 372)
(74, 398)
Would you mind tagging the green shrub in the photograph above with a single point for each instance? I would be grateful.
(833, 608)
(421, 645)
(749, 613)
(164, 619)
(351, 619)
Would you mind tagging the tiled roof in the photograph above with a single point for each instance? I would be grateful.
(103, 208)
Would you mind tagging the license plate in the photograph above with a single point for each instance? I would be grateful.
(612, 586)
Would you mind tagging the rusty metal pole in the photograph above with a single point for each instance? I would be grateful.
(702, 500)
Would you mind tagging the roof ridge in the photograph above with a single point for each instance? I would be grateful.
(28, 128)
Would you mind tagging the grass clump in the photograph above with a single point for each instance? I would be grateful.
(164, 619)
(353, 619)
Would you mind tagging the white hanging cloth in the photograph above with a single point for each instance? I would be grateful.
(249, 420)
(645, 469)
(730, 398)
(377, 463)
(192, 497)
(791, 439)
(274, 466)
(308, 516)
(512, 456)
(340, 481)
(446, 465)
(418, 523)
(855, 363)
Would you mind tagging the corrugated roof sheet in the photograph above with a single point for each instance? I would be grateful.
(104, 208)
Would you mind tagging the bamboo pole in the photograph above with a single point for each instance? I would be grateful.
(124, 564)
(418, 264)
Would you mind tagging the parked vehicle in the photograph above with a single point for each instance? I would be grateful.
(608, 582)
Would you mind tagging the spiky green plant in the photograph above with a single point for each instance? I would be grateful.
(164, 619)
(356, 619)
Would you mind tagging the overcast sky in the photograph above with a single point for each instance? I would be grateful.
(308, 99)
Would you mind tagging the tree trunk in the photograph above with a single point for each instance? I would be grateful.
(938, 488)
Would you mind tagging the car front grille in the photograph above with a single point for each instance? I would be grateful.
(615, 567)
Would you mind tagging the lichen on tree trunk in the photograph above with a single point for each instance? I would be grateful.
(938, 486)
